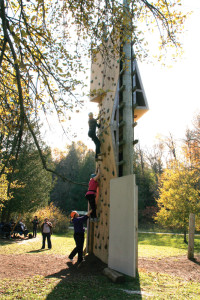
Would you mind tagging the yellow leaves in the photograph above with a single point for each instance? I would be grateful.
(59, 69)
(3, 188)
(33, 18)
(179, 194)
(24, 33)
(17, 61)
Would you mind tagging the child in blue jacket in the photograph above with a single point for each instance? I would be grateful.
(79, 231)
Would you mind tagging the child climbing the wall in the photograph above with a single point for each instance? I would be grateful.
(78, 234)
(92, 194)
(92, 133)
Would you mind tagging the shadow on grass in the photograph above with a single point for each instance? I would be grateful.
(194, 260)
(37, 251)
(10, 241)
(88, 282)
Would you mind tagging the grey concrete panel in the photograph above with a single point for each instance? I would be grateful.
(122, 255)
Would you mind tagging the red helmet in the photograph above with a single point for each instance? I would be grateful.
(73, 213)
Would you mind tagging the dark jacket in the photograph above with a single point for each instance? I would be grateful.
(92, 126)
(78, 224)
(35, 223)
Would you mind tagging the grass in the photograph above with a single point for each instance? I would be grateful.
(153, 285)
(163, 245)
(62, 244)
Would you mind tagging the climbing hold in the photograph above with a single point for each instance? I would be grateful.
(101, 154)
(98, 159)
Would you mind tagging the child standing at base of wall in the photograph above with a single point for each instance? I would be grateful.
(79, 232)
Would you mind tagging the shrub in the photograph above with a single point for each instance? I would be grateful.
(59, 220)
(147, 215)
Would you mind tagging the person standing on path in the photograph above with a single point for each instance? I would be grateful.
(35, 224)
(79, 234)
(46, 233)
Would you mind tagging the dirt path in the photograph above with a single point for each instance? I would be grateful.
(178, 266)
(21, 266)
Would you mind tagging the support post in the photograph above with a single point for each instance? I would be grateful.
(191, 236)
(90, 235)
(127, 99)
(91, 238)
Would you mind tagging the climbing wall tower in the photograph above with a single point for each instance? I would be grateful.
(119, 92)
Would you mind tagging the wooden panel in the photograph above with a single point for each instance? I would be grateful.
(104, 79)
(104, 73)
(108, 171)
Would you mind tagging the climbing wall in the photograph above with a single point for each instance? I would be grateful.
(107, 89)
(104, 80)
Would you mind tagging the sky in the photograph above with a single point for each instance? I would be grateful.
(172, 94)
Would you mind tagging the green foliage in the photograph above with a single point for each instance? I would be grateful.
(59, 220)
(146, 215)
(145, 179)
(34, 183)
(179, 196)
(3, 190)
(45, 45)
(78, 164)
(146, 182)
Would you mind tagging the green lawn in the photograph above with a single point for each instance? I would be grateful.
(61, 244)
(152, 285)
(162, 245)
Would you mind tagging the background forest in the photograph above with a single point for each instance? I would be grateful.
(167, 177)
(46, 48)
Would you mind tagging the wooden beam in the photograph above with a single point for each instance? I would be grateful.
(123, 142)
(114, 275)
(191, 236)
(122, 88)
(121, 162)
(121, 105)
(122, 123)
(91, 238)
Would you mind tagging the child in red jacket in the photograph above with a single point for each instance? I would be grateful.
(92, 194)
